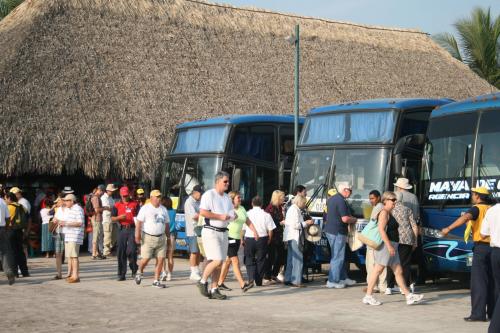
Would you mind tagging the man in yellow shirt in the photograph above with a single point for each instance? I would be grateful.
(482, 285)
(15, 234)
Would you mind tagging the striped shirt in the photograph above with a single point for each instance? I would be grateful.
(73, 214)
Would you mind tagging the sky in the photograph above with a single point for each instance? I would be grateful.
(430, 16)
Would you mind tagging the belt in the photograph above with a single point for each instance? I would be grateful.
(153, 235)
(127, 226)
(215, 228)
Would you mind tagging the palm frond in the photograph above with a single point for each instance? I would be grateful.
(6, 6)
(449, 43)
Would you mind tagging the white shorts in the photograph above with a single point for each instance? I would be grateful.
(215, 244)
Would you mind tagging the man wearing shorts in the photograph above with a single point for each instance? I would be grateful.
(191, 214)
(217, 209)
(72, 222)
(151, 227)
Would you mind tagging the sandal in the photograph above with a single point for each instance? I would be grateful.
(57, 277)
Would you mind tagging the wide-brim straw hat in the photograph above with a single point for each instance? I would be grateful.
(403, 183)
(313, 233)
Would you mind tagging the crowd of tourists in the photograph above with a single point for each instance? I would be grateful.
(273, 237)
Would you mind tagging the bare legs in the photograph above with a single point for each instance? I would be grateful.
(212, 269)
(236, 270)
(158, 267)
(378, 269)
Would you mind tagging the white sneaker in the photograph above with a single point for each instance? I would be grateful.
(281, 277)
(334, 285)
(413, 299)
(169, 276)
(163, 276)
(266, 282)
(388, 291)
(370, 300)
(347, 282)
(195, 276)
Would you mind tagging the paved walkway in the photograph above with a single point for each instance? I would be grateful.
(101, 304)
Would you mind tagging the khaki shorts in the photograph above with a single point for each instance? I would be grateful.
(153, 247)
(71, 249)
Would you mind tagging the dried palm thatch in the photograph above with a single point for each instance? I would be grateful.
(98, 85)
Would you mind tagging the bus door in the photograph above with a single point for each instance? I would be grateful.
(286, 155)
(242, 180)
(414, 122)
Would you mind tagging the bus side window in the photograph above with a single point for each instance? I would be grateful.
(256, 142)
(414, 122)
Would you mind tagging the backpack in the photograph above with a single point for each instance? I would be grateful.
(20, 220)
(89, 208)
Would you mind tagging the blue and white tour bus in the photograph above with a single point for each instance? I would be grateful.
(257, 151)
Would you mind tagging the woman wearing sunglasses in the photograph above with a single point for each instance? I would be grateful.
(387, 254)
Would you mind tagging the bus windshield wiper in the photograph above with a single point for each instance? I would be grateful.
(481, 170)
(460, 170)
(321, 188)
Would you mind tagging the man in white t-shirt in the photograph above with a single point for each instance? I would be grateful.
(191, 214)
(5, 249)
(72, 221)
(256, 250)
(217, 209)
(152, 225)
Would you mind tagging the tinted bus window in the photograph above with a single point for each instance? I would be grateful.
(350, 128)
(255, 142)
(450, 138)
(201, 139)
(489, 149)
(448, 156)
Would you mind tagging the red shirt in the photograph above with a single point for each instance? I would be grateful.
(129, 209)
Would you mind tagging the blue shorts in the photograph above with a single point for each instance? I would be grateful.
(192, 243)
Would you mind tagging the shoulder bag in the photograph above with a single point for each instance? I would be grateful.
(370, 235)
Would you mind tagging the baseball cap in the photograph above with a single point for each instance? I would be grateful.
(480, 190)
(15, 190)
(140, 191)
(124, 190)
(111, 187)
(69, 197)
(155, 193)
(198, 188)
(102, 187)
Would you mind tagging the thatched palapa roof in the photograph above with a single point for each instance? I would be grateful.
(98, 85)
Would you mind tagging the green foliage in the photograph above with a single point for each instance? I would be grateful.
(478, 44)
(6, 6)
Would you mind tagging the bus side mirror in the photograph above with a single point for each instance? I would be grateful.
(236, 179)
(397, 164)
(409, 140)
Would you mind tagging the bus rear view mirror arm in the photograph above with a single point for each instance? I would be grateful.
(235, 185)
(409, 140)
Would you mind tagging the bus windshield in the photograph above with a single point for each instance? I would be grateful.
(364, 169)
(201, 140)
(354, 127)
(488, 154)
(182, 174)
(448, 158)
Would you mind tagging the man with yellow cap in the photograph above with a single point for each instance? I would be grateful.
(152, 226)
(482, 287)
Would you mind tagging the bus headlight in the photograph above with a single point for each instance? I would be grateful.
(434, 233)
